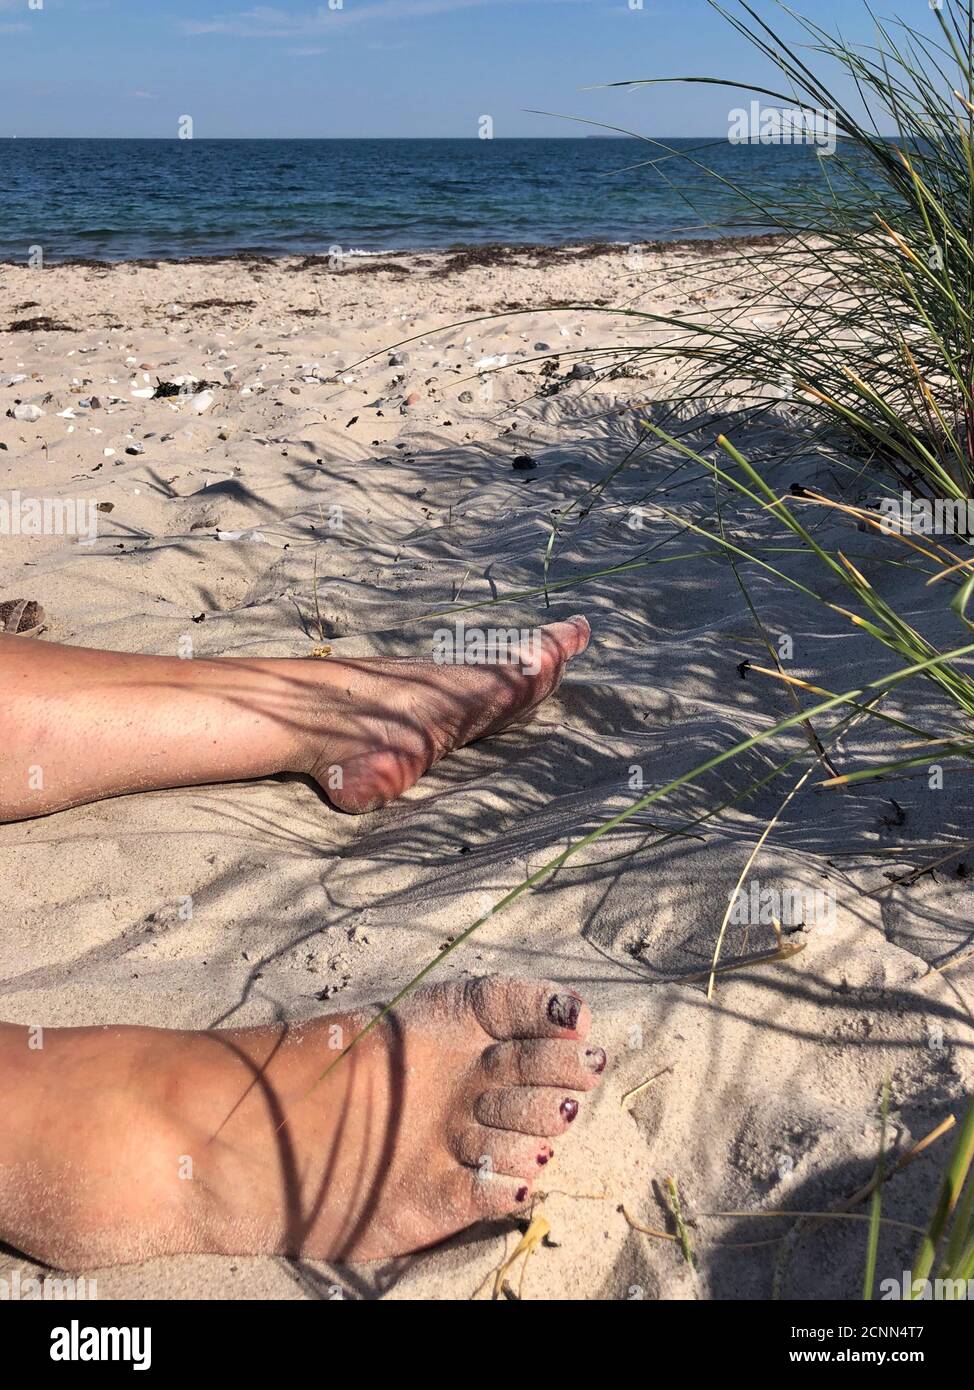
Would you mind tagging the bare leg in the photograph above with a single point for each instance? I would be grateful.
(119, 1144)
(80, 725)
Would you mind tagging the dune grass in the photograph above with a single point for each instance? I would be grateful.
(862, 320)
(946, 1252)
(864, 315)
(951, 1230)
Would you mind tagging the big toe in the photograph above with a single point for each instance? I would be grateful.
(509, 1008)
(569, 637)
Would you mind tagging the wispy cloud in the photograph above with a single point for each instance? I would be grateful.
(306, 51)
(269, 22)
(262, 22)
(145, 96)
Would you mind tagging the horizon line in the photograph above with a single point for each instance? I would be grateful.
(476, 138)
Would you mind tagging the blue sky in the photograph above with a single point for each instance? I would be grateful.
(373, 67)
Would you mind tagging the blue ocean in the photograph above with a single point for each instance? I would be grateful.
(128, 199)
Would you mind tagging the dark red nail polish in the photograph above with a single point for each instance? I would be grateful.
(544, 1156)
(563, 1010)
(595, 1060)
(520, 1194)
(569, 1109)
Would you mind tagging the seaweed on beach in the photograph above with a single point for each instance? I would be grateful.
(255, 261)
(377, 265)
(459, 259)
(222, 304)
(473, 258)
(366, 265)
(41, 324)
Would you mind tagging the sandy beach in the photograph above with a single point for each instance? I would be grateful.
(350, 457)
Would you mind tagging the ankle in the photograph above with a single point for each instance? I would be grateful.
(90, 1162)
(312, 700)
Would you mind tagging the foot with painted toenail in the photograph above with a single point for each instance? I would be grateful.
(120, 1144)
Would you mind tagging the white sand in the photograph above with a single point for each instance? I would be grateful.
(770, 1097)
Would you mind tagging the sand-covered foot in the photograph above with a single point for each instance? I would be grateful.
(444, 1115)
(398, 718)
(143, 1141)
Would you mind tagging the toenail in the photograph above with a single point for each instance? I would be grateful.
(520, 1194)
(595, 1060)
(569, 1109)
(544, 1156)
(563, 1010)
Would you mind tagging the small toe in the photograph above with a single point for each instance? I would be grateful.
(544, 1062)
(509, 1008)
(501, 1151)
(536, 1110)
(494, 1195)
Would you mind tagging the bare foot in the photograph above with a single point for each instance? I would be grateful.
(80, 725)
(398, 718)
(120, 1144)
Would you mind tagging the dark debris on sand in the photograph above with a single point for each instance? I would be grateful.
(538, 257)
(222, 304)
(367, 266)
(169, 388)
(40, 324)
(384, 267)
